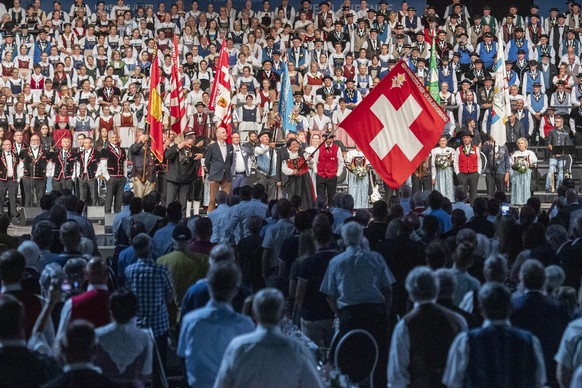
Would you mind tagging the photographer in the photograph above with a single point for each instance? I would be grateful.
(183, 165)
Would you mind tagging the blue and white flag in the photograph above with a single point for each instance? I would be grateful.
(286, 103)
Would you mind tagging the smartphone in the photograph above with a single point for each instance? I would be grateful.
(505, 209)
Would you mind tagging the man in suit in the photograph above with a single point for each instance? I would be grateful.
(513, 129)
(63, 166)
(113, 168)
(218, 163)
(88, 169)
(32, 167)
(539, 314)
(240, 162)
(517, 353)
(78, 348)
(8, 177)
(20, 367)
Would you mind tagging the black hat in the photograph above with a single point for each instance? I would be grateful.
(479, 60)
(520, 51)
(350, 80)
(474, 54)
(298, 93)
(361, 20)
(328, 135)
(296, 37)
(411, 9)
(488, 77)
(9, 35)
(534, 6)
(346, 8)
(276, 52)
(488, 35)
(509, 62)
(546, 55)
(181, 233)
(323, 3)
(406, 45)
(554, 9)
(270, 37)
(533, 62)
(376, 31)
(399, 36)
(544, 36)
(487, 7)
(579, 75)
(560, 82)
(537, 85)
(371, 10)
(456, 54)
(383, 2)
(327, 77)
(561, 16)
(466, 81)
(465, 132)
(519, 29)
(200, 103)
(265, 132)
(533, 15)
(420, 33)
(392, 61)
(318, 40)
(268, 60)
(380, 13)
(337, 22)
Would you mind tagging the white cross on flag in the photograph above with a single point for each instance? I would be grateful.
(396, 125)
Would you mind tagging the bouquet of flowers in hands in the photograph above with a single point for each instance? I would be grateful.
(442, 161)
(361, 172)
(521, 165)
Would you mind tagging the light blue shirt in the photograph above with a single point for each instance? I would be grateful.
(124, 213)
(220, 218)
(204, 337)
(163, 240)
(125, 259)
(275, 236)
(357, 276)
(339, 216)
(240, 215)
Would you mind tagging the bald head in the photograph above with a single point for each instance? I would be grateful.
(96, 271)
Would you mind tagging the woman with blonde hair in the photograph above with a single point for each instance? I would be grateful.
(521, 161)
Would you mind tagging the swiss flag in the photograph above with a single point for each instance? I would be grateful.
(396, 125)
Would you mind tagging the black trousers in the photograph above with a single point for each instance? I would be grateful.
(11, 187)
(88, 191)
(115, 186)
(421, 184)
(177, 192)
(326, 186)
(36, 186)
(373, 318)
(270, 185)
(62, 184)
(578, 142)
(469, 182)
(495, 183)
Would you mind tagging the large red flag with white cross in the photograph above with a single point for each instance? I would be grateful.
(396, 125)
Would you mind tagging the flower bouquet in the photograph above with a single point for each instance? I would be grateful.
(521, 165)
(361, 172)
(442, 161)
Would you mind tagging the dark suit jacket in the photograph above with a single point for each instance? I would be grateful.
(20, 367)
(542, 317)
(81, 378)
(217, 167)
(481, 224)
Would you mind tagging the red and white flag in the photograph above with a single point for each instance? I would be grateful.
(396, 125)
(220, 97)
(178, 118)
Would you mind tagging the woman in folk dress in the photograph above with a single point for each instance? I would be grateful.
(319, 123)
(442, 175)
(125, 123)
(521, 162)
(358, 185)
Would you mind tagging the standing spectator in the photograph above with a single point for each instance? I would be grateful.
(496, 354)
(20, 367)
(207, 331)
(274, 238)
(289, 361)
(186, 268)
(124, 352)
(316, 315)
(151, 284)
(91, 306)
(78, 348)
(358, 288)
(417, 357)
(539, 314)
(163, 236)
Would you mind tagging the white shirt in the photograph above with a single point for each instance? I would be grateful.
(239, 166)
(222, 148)
(289, 362)
(9, 165)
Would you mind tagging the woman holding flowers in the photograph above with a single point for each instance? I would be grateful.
(442, 169)
(521, 162)
(358, 182)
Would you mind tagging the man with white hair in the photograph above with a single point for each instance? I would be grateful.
(290, 363)
(358, 285)
(417, 356)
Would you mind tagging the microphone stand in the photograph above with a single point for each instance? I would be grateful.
(311, 154)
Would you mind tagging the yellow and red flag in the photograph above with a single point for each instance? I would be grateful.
(154, 117)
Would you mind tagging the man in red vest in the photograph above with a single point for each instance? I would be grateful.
(93, 305)
(467, 164)
(329, 165)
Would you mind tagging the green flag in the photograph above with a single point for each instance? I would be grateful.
(433, 78)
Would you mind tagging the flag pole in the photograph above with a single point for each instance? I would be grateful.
(331, 134)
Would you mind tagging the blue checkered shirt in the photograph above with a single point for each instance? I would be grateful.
(151, 284)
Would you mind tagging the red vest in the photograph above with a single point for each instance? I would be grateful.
(547, 126)
(92, 306)
(327, 161)
(468, 164)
